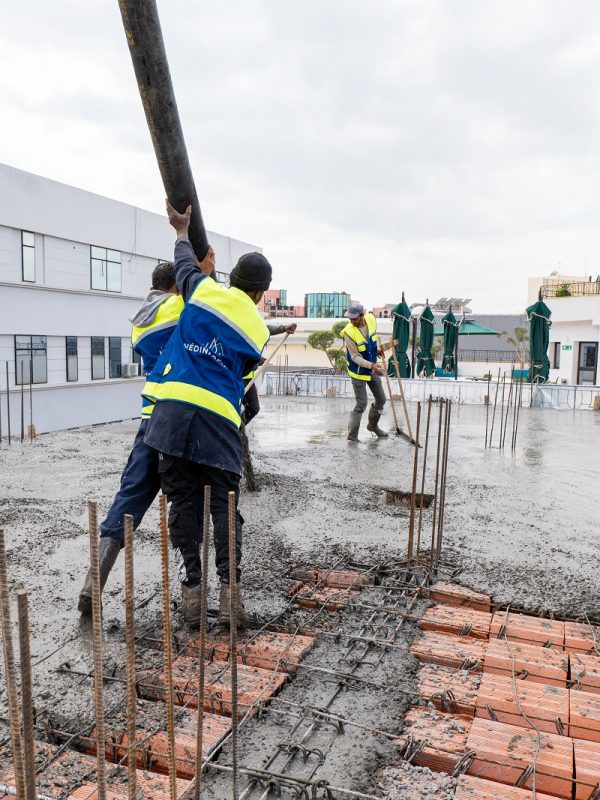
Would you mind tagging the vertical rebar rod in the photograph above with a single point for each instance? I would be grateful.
(437, 482)
(31, 399)
(10, 672)
(401, 387)
(233, 590)
(508, 407)
(502, 408)
(203, 621)
(487, 408)
(518, 411)
(429, 402)
(495, 404)
(97, 649)
(7, 403)
(26, 694)
(22, 405)
(413, 493)
(130, 660)
(1, 412)
(442, 513)
(167, 644)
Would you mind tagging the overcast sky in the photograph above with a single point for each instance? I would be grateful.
(443, 148)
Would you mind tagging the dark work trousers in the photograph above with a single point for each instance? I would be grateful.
(360, 393)
(140, 483)
(251, 404)
(183, 483)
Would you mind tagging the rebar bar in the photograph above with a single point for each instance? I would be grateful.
(97, 649)
(487, 408)
(495, 404)
(22, 404)
(413, 493)
(444, 481)
(436, 489)
(233, 598)
(130, 660)
(31, 399)
(10, 672)
(429, 402)
(7, 403)
(502, 408)
(167, 643)
(203, 610)
(508, 407)
(26, 694)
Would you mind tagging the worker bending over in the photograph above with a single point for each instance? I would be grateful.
(360, 338)
(197, 386)
(153, 325)
(251, 402)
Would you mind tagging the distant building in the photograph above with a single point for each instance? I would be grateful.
(275, 304)
(384, 312)
(326, 305)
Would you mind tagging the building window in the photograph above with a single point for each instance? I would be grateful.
(28, 256)
(114, 356)
(222, 277)
(98, 368)
(72, 365)
(31, 359)
(556, 360)
(105, 269)
(136, 358)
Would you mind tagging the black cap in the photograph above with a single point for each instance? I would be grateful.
(251, 273)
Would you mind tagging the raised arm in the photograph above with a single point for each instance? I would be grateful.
(188, 271)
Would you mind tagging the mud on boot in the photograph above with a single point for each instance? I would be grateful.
(108, 550)
(372, 425)
(190, 597)
(354, 425)
(241, 615)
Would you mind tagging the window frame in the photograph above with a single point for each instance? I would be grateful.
(556, 356)
(67, 354)
(31, 372)
(103, 340)
(101, 255)
(112, 349)
(26, 248)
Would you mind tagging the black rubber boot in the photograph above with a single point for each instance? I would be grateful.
(108, 551)
(354, 425)
(190, 596)
(241, 615)
(372, 425)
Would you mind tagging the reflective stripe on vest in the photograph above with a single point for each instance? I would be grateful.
(367, 348)
(219, 331)
(149, 341)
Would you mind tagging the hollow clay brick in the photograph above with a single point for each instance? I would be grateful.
(582, 638)
(531, 663)
(458, 621)
(585, 716)
(451, 690)
(443, 736)
(449, 651)
(469, 788)
(587, 768)
(334, 580)
(545, 707)
(585, 672)
(454, 595)
(528, 630)
(267, 650)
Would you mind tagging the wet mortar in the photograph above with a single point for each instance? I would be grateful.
(520, 526)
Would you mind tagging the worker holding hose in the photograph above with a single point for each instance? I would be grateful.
(251, 401)
(197, 387)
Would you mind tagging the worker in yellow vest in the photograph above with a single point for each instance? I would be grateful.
(360, 338)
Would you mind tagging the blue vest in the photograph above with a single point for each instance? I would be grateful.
(367, 348)
(150, 340)
(220, 333)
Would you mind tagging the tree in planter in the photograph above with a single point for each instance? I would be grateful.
(322, 340)
(326, 341)
(563, 290)
(520, 343)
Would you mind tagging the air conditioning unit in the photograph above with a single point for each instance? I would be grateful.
(130, 370)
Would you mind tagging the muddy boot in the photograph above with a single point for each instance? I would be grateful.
(108, 551)
(354, 425)
(241, 615)
(374, 416)
(190, 596)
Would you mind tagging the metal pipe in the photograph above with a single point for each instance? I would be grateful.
(130, 659)
(7, 402)
(508, 407)
(487, 408)
(22, 405)
(203, 621)
(403, 398)
(97, 648)
(147, 51)
(167, 643)
(413, 494)
(495, 403)
(10, 672)
(233, 596)
(437, 480)
(31, 399)
(429, 402)
(26, 694)
(502, 408)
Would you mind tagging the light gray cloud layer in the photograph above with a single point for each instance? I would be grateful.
(444, 148)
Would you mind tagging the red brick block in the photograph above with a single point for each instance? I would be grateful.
(450, 690)
(528, 630)
(454, 595)
(334, 579)
(458, 621)
(547, 707)
(585, 716)
(585, 672)
(331, 599)
(587, 768)
(504, 752)
(469, 788)
(531, 663)
(442, 739)
(449, 651)
(267, 650)
(582, 638)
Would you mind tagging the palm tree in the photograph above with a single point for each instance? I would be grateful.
(520, 342)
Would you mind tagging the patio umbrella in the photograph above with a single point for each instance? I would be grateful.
(539, 337)
(401, 334)
(450, 327)
(425, 362)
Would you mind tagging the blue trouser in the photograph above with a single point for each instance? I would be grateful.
(140, 483)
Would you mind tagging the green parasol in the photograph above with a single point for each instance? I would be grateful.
(450, 326)
(425, 362)
(400, 333)
(539, 337)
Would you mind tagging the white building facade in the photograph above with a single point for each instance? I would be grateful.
(74, 267)
(575, 331)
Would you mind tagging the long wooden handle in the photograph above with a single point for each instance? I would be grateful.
(389, 386)
(267, 362)
(397, 368)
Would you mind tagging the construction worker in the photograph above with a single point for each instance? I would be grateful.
(360, 338)
(197, 386)
(153, 325)
(251, 401)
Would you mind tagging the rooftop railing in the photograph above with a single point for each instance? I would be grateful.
(571, 289)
